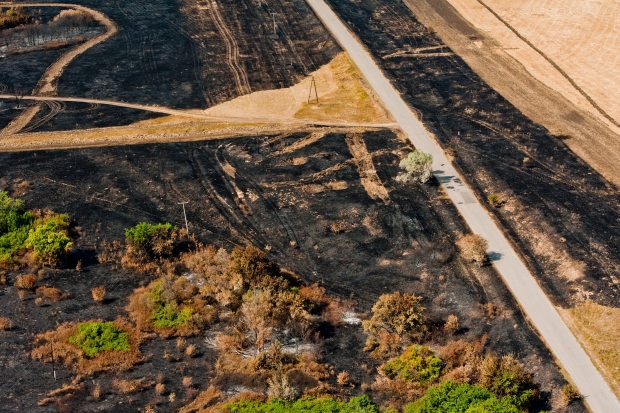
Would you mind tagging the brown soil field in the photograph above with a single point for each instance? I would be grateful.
(524, 76)
(559, 212)
(284, 191)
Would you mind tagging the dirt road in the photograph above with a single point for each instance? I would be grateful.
(515, 274)
(48, 82)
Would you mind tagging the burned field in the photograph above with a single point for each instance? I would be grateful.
(561, 214)
(324, 205)
(187, 55)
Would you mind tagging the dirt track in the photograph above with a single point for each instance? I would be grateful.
(49, 81)
(590, 138)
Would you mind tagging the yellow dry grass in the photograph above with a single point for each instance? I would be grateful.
(581, 37)
(596, 327)
(343, 97)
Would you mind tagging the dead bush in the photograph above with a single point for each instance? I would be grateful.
(96, 391)
(26, 282)
(459, 353)
(338, 227)
(205, 400)
(131, 386)
(5, 323)
(190, 351)
(187, 381)
(160, 388)
(51, 293)
(473, 248)
(452, 324)
(570, 394)
(343, 378)
(98, 293)
(111, 252)
(279, 387)
(21, 294)
(490, 310)
(74, 358)
(61, 394)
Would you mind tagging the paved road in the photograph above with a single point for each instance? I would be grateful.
(515, 274)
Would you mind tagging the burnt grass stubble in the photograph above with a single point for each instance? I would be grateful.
(170, 53)
(560, 194)
(405, 245)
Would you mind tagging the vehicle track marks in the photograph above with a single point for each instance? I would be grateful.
(232, 50)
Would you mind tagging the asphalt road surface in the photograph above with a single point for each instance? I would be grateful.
(521, 283)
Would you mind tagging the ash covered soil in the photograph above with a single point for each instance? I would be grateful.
(283, 191)
(559, 212)
(186, 55)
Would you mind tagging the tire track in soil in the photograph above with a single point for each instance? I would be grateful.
(55, 108)
(271, 206)
(232, 50)
(237, 223)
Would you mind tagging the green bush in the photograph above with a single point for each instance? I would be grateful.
(48, 239)
(93, 337)
(15, 223)
(450, 397)
(360, 404)
(416, 364)
(167, 313)
(143, 232)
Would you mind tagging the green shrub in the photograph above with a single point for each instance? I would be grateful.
(15, 223)
(360, 404)
(93, 337)
(450, 397)
(507, 378)
(419, 166)
(167, 313)
(416, 364)
(48, 239)
(143, 232)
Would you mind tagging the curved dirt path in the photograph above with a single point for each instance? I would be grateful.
(232, 50)
(49, 81)
(515, 274)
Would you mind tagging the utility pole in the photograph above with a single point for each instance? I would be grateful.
(53, 365)
(185, 215)
(316, 94)
(275, 26)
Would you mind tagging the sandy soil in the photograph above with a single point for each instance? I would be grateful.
(525, 78)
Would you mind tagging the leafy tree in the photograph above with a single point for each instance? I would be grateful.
(15, 223)
(93, 337)
(450, 397)
(396, 313)
(360, 404)
(416, 364)
(255, 268)
(418, 166)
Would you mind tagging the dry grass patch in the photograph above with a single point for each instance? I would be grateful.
(5, 323)
(597, 328)
(82, 358)
(131, 386)
(51, 293)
